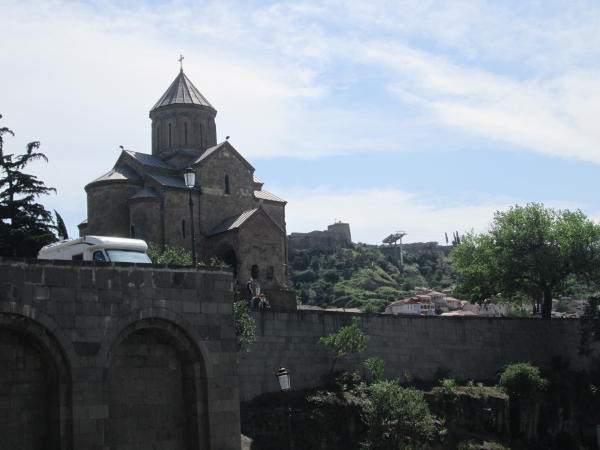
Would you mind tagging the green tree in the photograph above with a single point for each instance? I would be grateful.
(25, 226)
(527, 249)
(397, 418)
(350, 339)
(590, 325)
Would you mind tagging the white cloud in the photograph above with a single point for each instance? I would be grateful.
(375, 213)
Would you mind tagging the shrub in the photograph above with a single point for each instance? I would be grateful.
(245, 328)
(397, 419)
(375, 367)
(171, 255)
(523, 381)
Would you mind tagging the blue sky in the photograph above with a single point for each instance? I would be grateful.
(390, 115)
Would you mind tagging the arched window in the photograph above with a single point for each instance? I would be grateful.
(254, 271)
(200, 132)
(170, 140)
(132, 232)
(227, 185)
(158, 138)
(185, 132)
(183, 228)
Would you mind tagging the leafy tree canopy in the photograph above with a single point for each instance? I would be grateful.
(25, 226)
(529, 250)
(350, 339)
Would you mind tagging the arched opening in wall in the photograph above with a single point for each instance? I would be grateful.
(200, 135)
(185, 134)
(170, 136)
(156, 391)
(254, 271)
(30, 389)
(132, 232)
(229, 258)
(157, 138)
(227, 185)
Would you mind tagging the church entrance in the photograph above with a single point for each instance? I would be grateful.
(230, 259)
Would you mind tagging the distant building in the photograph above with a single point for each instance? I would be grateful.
(337, 235)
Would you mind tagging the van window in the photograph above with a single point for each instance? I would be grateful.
(98, 256)
(78, 257)
(131, 256)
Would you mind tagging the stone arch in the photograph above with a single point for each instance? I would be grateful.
(169, 132)
(36, 377)
(227, 255)
(185, 127)
(155, 383)
(157, 134)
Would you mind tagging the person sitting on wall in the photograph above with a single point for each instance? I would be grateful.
(249, 291)
(264, 302)
(256, 302)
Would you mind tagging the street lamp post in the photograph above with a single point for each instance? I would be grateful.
(283, 376)
(190, 181)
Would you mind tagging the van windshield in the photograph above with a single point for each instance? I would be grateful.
(131, 256)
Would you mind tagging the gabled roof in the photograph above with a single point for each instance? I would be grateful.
(148, 160)
(233, 222)
(168, 180)
(213, 150)
(239, 220)
(122, 172)
(264, 195)
(184, 92)
(148, 192)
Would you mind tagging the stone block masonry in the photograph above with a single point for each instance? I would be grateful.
(109, 356)
(472, 348)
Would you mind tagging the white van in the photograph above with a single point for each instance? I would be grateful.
(97, 248)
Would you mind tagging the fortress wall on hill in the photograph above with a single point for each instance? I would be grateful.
(473, 348)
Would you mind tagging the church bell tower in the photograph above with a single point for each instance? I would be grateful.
(182, 119)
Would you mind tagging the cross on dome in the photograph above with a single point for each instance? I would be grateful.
(181, 58)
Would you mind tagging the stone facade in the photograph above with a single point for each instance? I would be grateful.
(472, 348)
(337, 235)
(108, 356)
(145, 196)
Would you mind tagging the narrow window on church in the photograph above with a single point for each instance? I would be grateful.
(227, 184)
(132, 232)
(254, 271)
(170, 136)
(270, 272)
(185, 130)
(183, 228)
(200, 130)
(158, 138)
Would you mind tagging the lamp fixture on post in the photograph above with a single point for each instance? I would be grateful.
(283, 376)
(190, 182)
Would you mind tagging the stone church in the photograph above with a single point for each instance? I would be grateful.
(145, 196)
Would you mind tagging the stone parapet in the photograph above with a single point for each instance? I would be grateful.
(98, 355)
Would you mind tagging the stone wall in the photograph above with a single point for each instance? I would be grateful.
(473, 348)
(108, 356)
(336, 236)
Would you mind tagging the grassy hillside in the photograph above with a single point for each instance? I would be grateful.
(363, 277)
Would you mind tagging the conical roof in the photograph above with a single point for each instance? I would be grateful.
(182, 91)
